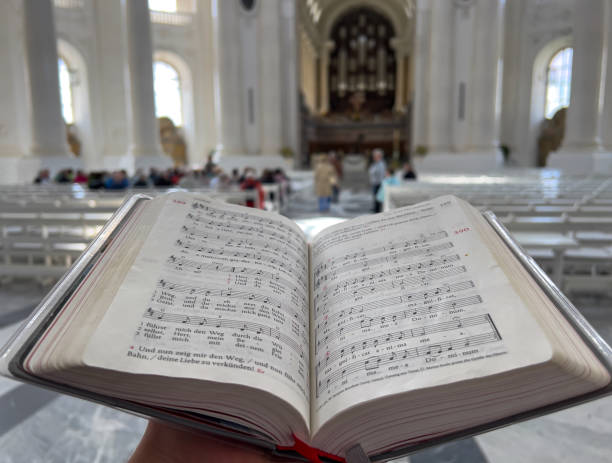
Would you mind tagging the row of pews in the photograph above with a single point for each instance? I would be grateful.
(563, 221)
(43, 229)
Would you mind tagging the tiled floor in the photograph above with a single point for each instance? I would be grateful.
(40, 426)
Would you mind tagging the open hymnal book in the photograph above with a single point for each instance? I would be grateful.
(383, 331)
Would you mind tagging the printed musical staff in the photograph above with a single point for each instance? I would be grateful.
(232, 293)
(322, 269)
(399, 285)
(396, 300)
(391, 271)
(231, 242)
(255, 256)
(322, 246)
(379, 341)
(393, 317)
(239, 325)
(247, 219)
(377, 361)
(390, 247)
(180, 263)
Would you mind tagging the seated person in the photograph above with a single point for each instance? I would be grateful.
(42, 177)
(64, 176)
(164, 179)
(140, 180)
(80, 177)
(117, 181)
(408, 172)
(96, 180)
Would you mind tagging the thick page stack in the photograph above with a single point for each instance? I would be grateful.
(386, 331)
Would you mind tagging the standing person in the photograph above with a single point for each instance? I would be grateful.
(333, 158)
(209, 166)
(236, 177)
(389, 180)
(325, 178)
(250, 182)
(377, 174)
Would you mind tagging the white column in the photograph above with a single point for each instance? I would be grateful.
(291, 72)
(144, 133)
(204, 86)
(440, 85)
(109, 96)
(326, 49)
(463, 40)
(582, 143)
(229, 110)
(15, 165)
(250, 49)
(268, 64)
(400, 77)
(606, 116)
(47, 125)
(13, 117)
(581, 132)
(420, 106)
(484, 123)
(308, 71)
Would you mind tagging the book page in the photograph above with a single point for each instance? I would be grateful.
(411, 299)
(218, 292)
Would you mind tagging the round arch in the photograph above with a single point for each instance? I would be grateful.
(391, 10)
(187, 93)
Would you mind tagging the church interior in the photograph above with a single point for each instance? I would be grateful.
(289, 106)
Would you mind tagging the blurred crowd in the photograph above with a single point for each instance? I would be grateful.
(210, 177)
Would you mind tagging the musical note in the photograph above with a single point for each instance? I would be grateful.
(376, 362)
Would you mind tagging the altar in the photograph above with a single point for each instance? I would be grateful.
(358, 134)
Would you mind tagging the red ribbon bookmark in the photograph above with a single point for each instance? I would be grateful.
(311, 453)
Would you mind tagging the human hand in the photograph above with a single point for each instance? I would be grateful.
(162, 443)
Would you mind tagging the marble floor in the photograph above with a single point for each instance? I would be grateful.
(42, 426)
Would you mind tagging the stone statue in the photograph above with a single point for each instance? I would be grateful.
(172, 141)
(551, 135)
(73, 140)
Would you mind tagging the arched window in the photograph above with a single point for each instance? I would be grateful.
(167, 86)
(558, 81)
(65, 82)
